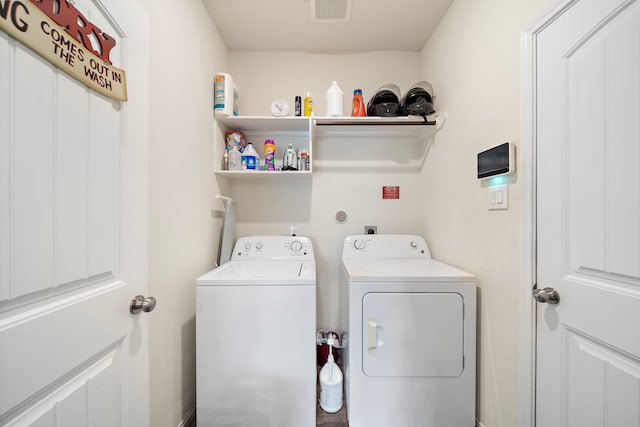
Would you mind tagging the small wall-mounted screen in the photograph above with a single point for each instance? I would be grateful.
(495, 161)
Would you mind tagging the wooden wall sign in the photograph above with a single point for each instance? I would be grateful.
(58, 32)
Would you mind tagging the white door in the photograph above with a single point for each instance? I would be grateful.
(588, 217)
(73, 235)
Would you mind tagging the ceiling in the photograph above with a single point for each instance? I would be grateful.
(286, 25)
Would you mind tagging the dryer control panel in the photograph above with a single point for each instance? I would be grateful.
(388, 246)
(273, 247)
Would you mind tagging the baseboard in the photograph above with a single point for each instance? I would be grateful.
(190, 419)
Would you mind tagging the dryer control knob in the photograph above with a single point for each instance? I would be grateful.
(414, 245)
(359, 244)
(296, 245)
(259, 245)
(247, 246)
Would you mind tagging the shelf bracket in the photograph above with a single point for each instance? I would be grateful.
(440, 118)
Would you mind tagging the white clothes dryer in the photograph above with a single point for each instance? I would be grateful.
(410, 357)
(255, 336)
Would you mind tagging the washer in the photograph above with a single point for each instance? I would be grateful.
(255, 336)
(410, 357)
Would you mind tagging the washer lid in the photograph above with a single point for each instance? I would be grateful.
(259, 273)
(404, 270)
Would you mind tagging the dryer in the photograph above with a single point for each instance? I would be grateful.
(255, 336)
(410, 322)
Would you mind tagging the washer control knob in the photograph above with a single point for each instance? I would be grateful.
(247, 245)
(359, 244)
(259, 245)
(296, 245)
(414, 245)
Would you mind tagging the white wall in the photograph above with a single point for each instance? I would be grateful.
(265, 76)
(270, 207)
(186, 52)
(472, 60)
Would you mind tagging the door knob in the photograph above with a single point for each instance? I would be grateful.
(549, 295)
(140, 303)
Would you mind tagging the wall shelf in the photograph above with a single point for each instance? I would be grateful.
(261, 174)
(374, 121)
(398, 128)
(335, 142)
(266, 123)
(283, 130)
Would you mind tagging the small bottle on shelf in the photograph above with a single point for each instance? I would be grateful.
(308, 105)
(303, 160)
(298, 111)
(235, 158)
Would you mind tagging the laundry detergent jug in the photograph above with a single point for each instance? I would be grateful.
(330, 384)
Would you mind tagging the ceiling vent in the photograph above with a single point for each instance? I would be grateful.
(330, 10)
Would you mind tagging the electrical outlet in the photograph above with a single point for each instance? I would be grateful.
(370, 229)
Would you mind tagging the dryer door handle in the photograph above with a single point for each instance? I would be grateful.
(372, 337)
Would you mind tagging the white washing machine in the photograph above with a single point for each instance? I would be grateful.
(410, 357)
(255, 336)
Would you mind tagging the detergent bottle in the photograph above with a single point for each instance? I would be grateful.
(225, 96)
(334, 100)
(358, 108)
(250, 159)
(269, 155)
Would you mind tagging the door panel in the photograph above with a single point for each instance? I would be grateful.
(70, 166)
(73, 226)
(602, 148)
(598, 373)
(588, 215)
(89, 395)
(623, 151)
(412, 334)
(31, 153)
(5, 168)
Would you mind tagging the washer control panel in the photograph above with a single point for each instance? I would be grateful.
(385, 246)
(273, 247)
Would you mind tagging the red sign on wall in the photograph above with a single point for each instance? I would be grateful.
(390, 192)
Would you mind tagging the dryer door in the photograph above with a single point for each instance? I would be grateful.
(412, 334)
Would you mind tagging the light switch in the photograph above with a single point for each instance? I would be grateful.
(499, 197)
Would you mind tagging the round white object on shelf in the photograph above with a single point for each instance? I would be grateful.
(279, 108)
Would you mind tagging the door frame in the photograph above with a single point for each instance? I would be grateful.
(528, 221)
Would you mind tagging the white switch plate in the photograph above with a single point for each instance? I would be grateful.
(499, 197)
